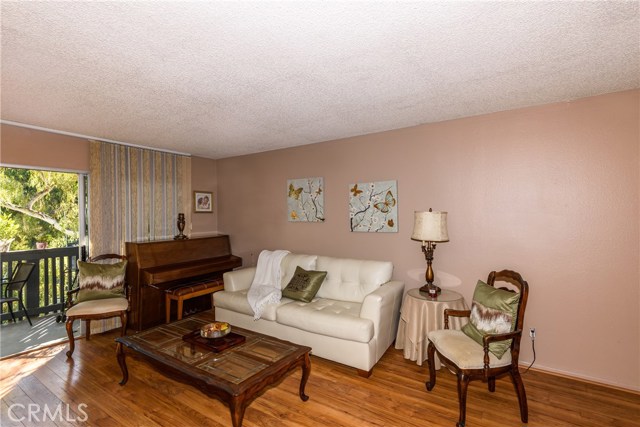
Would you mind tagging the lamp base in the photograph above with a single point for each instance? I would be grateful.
(430, 290)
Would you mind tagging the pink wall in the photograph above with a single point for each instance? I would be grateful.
(43, 150)
(552, 192)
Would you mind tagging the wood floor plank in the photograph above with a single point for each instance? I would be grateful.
(20, 404)
(395, 395)
(51, 408)
(75, 396)
(84, 384)
(9, 418)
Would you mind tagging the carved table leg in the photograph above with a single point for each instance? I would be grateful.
(121, 361)
(306, 370)
(237, 407)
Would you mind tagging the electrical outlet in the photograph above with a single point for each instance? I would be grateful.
(532, 333)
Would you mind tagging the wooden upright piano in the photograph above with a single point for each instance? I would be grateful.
(155, 266)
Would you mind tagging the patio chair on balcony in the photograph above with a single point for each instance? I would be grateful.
(14, 288)
(100, 294)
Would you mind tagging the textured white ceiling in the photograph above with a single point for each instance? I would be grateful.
(219, 79)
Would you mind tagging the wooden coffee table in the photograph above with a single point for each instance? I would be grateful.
(235, 375)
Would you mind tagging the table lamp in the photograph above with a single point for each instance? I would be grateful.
(430, 228)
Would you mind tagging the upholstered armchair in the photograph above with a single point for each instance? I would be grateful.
(101, 294)
(489, 345)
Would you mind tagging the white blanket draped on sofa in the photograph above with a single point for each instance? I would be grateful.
(265, 288)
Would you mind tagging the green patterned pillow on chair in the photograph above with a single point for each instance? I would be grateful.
(99, 281)
(493, 311)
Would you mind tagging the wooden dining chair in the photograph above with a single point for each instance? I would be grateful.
(480, 355)
(97, 307)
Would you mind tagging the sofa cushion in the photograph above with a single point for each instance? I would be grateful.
(304, 284)
(328, 317)
(289, 264)
(352, 279)
(237, 301)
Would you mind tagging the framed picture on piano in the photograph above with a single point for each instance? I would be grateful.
(202, 201)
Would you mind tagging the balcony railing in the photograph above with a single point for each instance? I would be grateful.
(46, 289)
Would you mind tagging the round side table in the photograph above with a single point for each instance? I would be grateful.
(420, 315)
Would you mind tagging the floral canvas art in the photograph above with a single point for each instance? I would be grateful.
(305, 200)
(373, 207)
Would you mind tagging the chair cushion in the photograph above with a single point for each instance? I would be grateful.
(304, 284)
(99, 281)
(493, 311)
(339, 319)
(464, 351)
(98, 306)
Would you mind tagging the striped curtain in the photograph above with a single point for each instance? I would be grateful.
(135, 195)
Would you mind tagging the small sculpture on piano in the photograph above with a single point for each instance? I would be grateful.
(181, 223)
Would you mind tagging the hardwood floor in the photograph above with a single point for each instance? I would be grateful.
(86, 391)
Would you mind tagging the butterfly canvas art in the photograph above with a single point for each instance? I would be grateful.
(305, 200)
(373, 207)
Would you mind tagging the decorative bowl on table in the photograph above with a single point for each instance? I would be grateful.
(215, 330)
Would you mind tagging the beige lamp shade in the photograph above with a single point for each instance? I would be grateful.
(430, 227)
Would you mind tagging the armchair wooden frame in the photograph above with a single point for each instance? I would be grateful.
(487, 373)
(95, 316)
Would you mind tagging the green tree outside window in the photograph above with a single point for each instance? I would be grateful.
(38, 206)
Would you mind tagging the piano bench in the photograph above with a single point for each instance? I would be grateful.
(186, 292)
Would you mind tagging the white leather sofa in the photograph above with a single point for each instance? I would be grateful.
(352, 319)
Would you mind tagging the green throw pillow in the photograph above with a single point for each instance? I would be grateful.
(493, 311)
(304, 284)
(99, 281)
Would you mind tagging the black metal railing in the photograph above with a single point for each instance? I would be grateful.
(46, 289)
